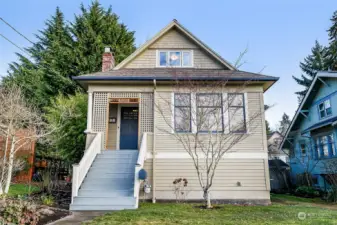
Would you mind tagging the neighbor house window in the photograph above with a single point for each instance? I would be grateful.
(303, 148)
(325, 146)
(236, 109)
(175, 58)
(324, 109)
(209, 113)
(182, 112)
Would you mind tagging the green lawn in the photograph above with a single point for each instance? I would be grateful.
(277, 213)
(22, 189)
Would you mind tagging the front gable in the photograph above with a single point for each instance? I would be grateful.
(176, 38)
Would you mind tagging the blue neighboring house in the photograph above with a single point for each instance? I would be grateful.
(311, 137)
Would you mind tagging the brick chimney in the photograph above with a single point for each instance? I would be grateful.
(108, 60)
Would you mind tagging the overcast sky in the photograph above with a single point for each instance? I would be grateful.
(279, 34)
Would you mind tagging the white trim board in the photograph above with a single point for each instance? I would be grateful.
(229, 155)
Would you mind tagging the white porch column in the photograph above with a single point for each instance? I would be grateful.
(89, 119)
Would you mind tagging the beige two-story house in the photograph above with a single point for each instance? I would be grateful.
(135, 118)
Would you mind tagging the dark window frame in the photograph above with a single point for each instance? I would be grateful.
(221, 110)
(190, 109)
(244, 112)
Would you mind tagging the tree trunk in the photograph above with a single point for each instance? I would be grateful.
(10, 165)
(3, 169)
(207, 197)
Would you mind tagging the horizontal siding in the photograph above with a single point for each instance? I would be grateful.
(173, 39)
(250, 172)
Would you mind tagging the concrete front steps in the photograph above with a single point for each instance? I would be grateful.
(109, 184)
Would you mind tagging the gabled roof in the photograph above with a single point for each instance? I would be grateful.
(308, 98)
(178, 26)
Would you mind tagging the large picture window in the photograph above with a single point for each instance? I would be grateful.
(237, 116)
(182, 112)
(209, 113)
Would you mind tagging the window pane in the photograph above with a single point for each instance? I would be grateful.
(235, 99)
(187, 60)
(182, 119)
(175, 58)
(237, 121)
(321, 106)
(182, 100)
(163, 58)
(322, 114)
(327, 104)
(208, 100)
(328, 111)
(209, 119)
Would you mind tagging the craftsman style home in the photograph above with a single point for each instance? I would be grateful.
(126, 134)
(312, 134)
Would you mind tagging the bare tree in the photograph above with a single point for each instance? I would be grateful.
(201, 111)
(20, 124)
(330, 167)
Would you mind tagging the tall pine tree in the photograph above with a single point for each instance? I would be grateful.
(332, 49)
(316, 61)
(284, 124)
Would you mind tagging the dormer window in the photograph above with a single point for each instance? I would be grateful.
(324, 109)
(175, 58)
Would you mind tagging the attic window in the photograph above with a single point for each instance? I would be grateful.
(175, 58)
(324, 109)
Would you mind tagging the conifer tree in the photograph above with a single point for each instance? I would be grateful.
(316, 61)
(332, 49)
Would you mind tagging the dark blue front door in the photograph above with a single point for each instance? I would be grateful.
(129, 128)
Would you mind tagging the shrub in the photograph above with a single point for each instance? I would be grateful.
(307, 192)
(19, 212)
(180, 189)
(47, 200)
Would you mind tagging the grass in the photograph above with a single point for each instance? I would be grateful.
(277, 213)
(292, 198)
(22, 189)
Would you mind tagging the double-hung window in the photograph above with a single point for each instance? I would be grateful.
(175, 58)
(182, 112)
(237, 116)
(324, 109)
(325, 146)
(209, 113)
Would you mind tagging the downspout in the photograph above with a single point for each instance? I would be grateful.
(154, 142)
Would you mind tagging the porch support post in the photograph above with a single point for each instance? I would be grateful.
(89, 119)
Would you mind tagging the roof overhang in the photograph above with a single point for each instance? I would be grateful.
(84, 81)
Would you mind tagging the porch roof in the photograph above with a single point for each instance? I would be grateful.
(171, 74)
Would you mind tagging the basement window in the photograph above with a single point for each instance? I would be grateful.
(175, 58)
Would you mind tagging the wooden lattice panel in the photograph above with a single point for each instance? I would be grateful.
(124, 95)
(100, 110)
(146, 112)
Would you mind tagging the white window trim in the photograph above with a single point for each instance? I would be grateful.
(181, 58)
(246, 111)
(225, 113)
(193, 112)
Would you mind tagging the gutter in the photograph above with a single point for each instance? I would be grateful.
(168, 78)
(154, 143)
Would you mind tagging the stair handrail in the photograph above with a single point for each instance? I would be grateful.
(140, 163)
(81, 169)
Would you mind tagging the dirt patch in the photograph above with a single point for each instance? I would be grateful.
(204, 207)
(49, 214)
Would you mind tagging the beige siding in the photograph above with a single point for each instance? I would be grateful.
(174, 40)
(112, 129)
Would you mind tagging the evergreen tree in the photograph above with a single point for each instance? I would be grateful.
(284, 124)
(64, 50)
(316, 61)
(332, 49)
(268, 129)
